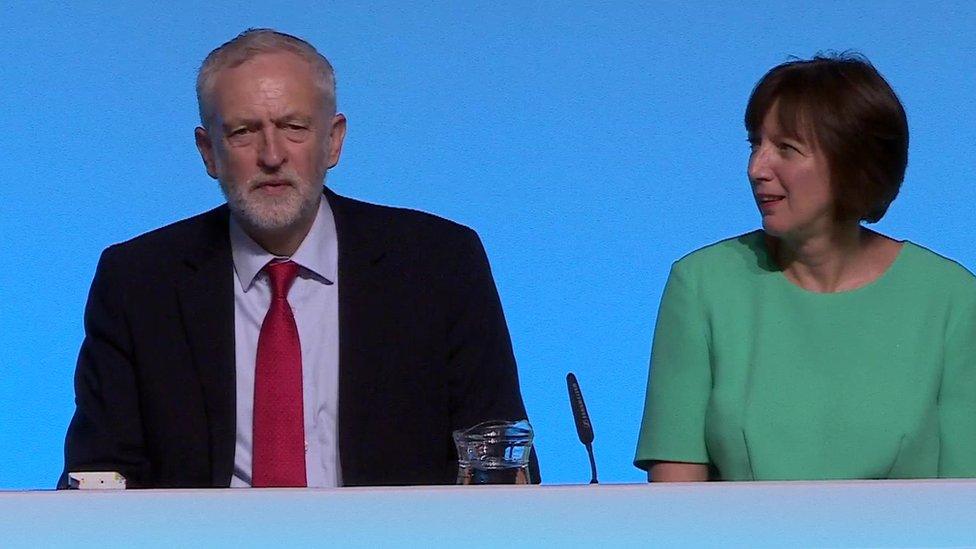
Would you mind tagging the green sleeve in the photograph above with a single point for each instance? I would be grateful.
(957, 397)
(673, 427)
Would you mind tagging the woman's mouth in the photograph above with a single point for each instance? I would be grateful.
(768, 202)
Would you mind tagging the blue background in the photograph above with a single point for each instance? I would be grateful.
(590, 144)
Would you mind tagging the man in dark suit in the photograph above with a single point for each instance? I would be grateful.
(204, 365)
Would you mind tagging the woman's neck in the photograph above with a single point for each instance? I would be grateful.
(842, 259)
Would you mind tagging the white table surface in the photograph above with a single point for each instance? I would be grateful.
(927, 513)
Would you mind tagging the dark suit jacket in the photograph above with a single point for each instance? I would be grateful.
(423, 350)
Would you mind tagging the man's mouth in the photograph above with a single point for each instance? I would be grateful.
(273, 187)
(273, 183)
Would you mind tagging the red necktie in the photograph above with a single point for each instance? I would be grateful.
(279, 424)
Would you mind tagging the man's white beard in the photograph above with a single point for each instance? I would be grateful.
(272, 213)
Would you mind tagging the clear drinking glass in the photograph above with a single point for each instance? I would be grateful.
(494, 452)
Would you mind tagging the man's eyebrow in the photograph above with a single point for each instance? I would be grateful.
(231, 123)
(248, 122)
(293, 116)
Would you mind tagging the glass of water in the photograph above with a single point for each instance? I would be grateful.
(494, 452)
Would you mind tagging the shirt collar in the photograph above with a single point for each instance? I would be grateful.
(317, 254)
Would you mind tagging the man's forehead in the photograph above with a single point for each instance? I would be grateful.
(268, 77)
(279, 55)
(274, 62)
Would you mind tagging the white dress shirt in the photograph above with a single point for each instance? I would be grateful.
(314, 301)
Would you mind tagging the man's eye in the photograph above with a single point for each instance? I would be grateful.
(295, 127)
(238, 131)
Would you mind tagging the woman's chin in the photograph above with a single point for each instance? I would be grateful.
(771, 228)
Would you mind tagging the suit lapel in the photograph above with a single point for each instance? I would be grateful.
(206, 297)
(361, 251)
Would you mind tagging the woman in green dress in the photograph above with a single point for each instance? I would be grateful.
(815, 348)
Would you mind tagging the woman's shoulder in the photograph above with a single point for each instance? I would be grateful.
(742, 254)
(937, 268)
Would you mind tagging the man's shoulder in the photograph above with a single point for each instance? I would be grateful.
(178, 238)
(413, 242)
(398, 223)
(394, 214)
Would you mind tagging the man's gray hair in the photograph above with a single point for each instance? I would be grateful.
(251, 43)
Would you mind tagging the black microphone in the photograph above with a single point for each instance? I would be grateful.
(583, 426)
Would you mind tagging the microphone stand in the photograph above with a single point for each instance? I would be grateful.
(583, 426)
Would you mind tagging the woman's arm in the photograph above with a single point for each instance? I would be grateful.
(674, 471)
(957, 396)
(672, 430)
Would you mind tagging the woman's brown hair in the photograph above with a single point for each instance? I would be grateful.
(852, 115)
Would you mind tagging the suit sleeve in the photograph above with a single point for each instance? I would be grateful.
(957, 396)
(679, 385)
(105, 433)
(484, 380)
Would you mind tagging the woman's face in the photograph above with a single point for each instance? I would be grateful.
(790, 182)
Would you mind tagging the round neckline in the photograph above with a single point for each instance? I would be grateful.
(880, 279)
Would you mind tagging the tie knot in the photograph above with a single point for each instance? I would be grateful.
(281, 275)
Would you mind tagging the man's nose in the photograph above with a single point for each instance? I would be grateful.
(272, 153)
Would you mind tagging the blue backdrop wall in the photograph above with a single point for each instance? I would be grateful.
(590, 144)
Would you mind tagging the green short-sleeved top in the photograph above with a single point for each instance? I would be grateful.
(765, 380)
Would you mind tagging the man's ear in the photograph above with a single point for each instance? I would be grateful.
(336, 137)
(205, 146)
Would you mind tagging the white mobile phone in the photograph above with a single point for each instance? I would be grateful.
(101, 480)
